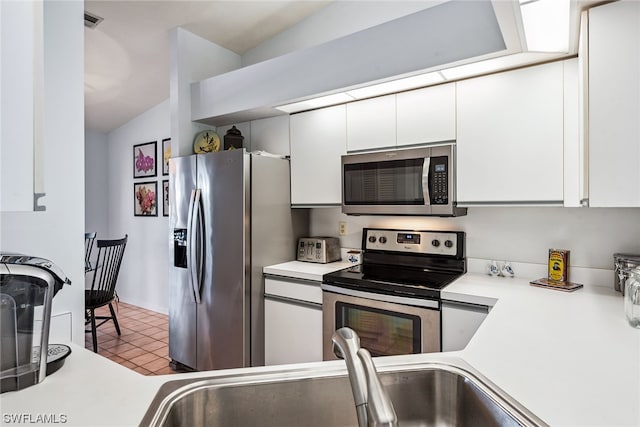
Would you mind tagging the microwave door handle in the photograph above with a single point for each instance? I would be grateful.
(425, 181)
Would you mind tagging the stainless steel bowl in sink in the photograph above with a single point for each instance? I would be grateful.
(423, 394)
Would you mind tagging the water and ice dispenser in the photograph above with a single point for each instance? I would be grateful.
(180, 247)
(27, 287)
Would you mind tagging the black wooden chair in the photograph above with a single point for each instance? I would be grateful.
(88, 247)
(103, 285)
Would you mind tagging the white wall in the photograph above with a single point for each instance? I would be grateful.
(96, 183)
(57, 233)
(144, 273)
(143, 277)
(192, 59)
(511, 233)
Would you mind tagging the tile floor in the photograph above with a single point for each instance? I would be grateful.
(143, 345)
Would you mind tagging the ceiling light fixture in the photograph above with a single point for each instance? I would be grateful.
(546, 25)
(310, 104)
(395, 86)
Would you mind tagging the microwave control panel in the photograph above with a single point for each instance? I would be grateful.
(439, 182)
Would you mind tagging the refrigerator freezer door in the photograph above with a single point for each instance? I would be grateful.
(223, 315)
(182, 308)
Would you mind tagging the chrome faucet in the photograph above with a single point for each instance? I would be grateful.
(373, 406)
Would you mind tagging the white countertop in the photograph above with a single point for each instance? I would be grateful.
(570, 358)
(88, 390)
(305, 270)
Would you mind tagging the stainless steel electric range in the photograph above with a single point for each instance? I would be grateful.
(392, 300)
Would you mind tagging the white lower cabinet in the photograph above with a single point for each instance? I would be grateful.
(460, 321)
(292, 321)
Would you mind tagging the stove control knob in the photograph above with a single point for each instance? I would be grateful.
(448, 243)
(383, 240)
(435, 243)
(372, 239)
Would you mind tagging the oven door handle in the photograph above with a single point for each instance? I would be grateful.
(419, 302)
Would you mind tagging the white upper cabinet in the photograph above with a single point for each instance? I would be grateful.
(510, 137)
(20, 26)
(614, 105)
(318, 140)
(426, 115)
(371, 123)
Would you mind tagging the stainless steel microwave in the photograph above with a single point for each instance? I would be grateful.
(416, 181)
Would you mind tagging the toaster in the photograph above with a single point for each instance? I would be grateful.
(319, 249)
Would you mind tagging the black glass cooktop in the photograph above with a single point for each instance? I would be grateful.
(391, 280)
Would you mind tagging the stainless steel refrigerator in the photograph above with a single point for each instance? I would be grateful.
(230, 216)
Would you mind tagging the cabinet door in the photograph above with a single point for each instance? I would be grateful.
(318, 139)
(426, 115)
(371, 123)
(20, 22)
(293, 332)
(510, 137)
(614, 105)
(459, 323)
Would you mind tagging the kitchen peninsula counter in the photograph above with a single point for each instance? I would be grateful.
(570, 358)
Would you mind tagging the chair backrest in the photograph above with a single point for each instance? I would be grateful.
(88, 247)
(105, 273)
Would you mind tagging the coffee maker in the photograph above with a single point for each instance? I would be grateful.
(27, 287)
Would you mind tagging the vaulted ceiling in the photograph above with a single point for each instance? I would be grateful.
(127, 54)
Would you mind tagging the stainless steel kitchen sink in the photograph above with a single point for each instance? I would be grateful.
(424, 394)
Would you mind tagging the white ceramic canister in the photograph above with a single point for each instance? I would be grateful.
(632, 297)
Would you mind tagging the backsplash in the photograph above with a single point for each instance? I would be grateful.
(514, 234)
(529, 271)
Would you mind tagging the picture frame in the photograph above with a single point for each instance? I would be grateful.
(165, 197)
(144, 160)
(166, 155)
(145, 198)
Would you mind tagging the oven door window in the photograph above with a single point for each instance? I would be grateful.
(382, 332)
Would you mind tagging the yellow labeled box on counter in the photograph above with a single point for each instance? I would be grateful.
(558, 277)
(559, 265)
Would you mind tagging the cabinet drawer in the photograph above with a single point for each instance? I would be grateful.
(308, 291)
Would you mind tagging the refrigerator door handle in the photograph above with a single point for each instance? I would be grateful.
(193, 235)
(199, 267)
